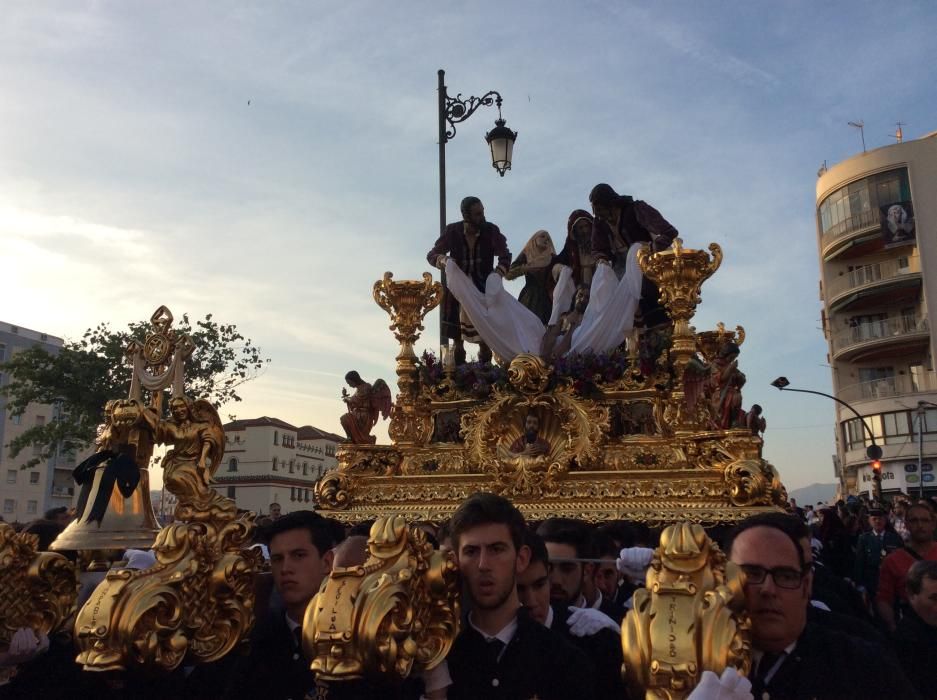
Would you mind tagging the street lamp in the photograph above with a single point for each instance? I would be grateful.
(454, 110)
(873, 451)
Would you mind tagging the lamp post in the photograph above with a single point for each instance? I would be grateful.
(455, 110)
(873, 451)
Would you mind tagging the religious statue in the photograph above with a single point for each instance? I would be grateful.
(197, 437)
(535, 263)
(726, 382)
(530, 444)
(577, 251)
(365, 406)
(621, 221)
(755, 421)
(559, 336)
(473, 244)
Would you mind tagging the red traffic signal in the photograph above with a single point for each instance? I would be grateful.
(877, 467)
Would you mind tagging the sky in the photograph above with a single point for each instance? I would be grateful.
(267, 162)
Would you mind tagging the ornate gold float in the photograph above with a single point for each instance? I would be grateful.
(197, 601)
(658, 441)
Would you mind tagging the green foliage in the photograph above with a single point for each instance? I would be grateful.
(85, 374)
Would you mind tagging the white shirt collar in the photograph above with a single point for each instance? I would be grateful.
(289, 623)
(549, 621)
(505, 635)
(598, 600)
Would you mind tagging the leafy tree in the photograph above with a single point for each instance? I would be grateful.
(80, 378)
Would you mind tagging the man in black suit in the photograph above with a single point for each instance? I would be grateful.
(598, 637)
(275, 668)
(572, 571)
(793, 658)
(502, 652)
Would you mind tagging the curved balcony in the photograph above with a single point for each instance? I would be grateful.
(887, 387)
(835, 237)
(872, 282)
(874, 339)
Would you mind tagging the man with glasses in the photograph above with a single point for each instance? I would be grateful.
(791, 657)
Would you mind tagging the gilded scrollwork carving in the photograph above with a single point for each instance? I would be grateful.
(689, 618)
(754, 482)
(395, 614)
(37, 589)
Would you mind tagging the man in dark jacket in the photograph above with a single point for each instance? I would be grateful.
(621, 221)
(873, 546)
(791, 657)
(916, 636)
(475, 245)
(502, 652)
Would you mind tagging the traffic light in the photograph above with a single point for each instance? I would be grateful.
(877, 468)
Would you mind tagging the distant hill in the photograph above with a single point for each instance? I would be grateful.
(813, 493)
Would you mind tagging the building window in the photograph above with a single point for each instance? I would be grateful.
(32, 507)
(11, 476)
(276, 437)
(231, 491)
(305, 468)
(33, 477)
(233, 464)
(274, 464)
(857, 205)
(17, 419)
(292, 493)
(9, 505)
(307, 495)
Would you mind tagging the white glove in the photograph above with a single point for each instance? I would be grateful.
(437, 678)
(441, 261)
(731, 686)
(633, 562)
(584, 622)
(24, 647)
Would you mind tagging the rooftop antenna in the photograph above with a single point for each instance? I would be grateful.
(860, 125)
(899, 137)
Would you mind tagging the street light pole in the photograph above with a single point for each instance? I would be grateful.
(452, 111)
(873, 451)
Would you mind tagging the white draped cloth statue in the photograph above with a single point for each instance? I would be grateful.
(509, 328)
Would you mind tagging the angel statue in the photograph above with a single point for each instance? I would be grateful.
(197, 437)
(365, 406)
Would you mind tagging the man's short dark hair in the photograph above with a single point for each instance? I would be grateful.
(919, 571)
(485, 508)
(603, 546)
(53, 513)
(570, 532)
(321, 531)
(538, 548)
(620, 531)
(467, 204)
(793, 527)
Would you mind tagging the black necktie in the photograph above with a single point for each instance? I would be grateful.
(765, 666)
(298, 637)
(494, 647)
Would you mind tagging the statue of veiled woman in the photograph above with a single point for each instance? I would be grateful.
(195, 433)
(536, 264)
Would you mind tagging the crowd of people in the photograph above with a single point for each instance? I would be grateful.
(842, 599)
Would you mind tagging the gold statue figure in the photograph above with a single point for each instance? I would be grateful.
(197, 438)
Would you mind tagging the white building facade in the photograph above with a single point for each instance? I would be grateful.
(877, 243)
(25, 494)
(268, 460)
